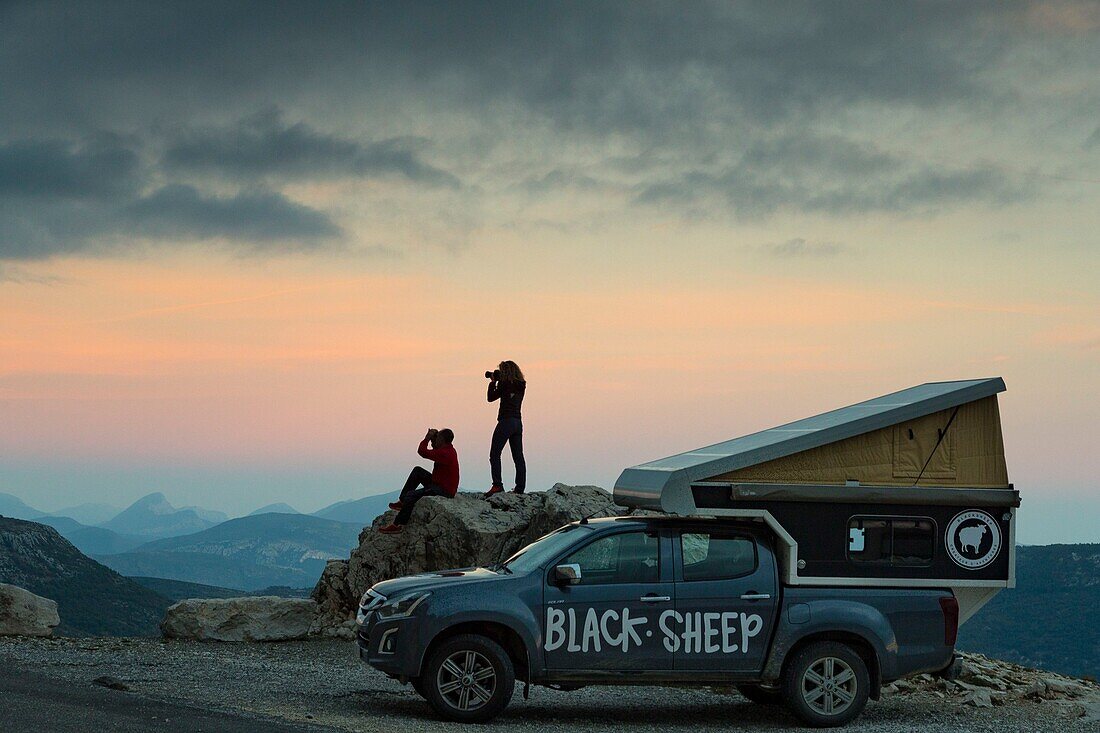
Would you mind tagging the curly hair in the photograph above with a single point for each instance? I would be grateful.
(510, 371)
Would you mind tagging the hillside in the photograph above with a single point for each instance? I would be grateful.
(250, 552)
(177, 590)
(101, 541)
(90, 514)
(1046, 620)
(152, 517)
(359, 511)
(13, 506)
(91, 599)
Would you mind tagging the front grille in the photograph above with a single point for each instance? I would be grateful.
(370, 601)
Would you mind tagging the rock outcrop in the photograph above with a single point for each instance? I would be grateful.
(22, 613)
(449, 533)
(261, 618)
(985, 682)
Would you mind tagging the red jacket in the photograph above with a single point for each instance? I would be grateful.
(445, 470)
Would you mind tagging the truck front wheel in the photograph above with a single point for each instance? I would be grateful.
(468, 679)
(826, 684)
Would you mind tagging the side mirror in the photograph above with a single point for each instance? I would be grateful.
(568, 574)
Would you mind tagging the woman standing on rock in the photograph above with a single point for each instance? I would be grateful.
(507, 384)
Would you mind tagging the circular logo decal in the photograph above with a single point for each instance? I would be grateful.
(973, 539)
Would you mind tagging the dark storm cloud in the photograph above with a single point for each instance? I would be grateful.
(182, 212)
(100, 167)
(721, 106)
(598, 66)
(60, 197)
(264, 145)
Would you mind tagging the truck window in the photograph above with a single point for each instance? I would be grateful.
(708, 556)
(895, 541)
(629, 557)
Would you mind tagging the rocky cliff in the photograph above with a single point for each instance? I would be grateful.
(450, 533)
(91, 599)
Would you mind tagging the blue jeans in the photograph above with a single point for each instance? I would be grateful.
(509, 430)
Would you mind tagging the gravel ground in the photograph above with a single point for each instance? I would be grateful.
(323, 683)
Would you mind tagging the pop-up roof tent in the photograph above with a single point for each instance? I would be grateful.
(908, 489)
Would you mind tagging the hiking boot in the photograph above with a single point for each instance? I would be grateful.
(517, 491)
(390, 529)
(494, 490)
(396, 506)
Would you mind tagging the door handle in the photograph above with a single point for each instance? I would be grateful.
(755, 596)
(655, 599)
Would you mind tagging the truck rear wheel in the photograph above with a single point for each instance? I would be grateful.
(826, 684)
(762, 695)
(468, 679)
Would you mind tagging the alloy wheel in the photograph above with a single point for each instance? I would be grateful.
(466, 680)
(829, 686)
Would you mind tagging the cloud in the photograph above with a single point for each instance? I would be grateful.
(264, 145)
(95, 168)
(63, 197)
(828, 175)
(799, 247)
(730, 110)
(181, 212)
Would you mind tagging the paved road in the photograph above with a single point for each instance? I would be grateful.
(33, 703)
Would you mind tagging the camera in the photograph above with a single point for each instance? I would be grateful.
(495, 374)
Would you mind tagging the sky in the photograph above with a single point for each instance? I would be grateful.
(250, 252)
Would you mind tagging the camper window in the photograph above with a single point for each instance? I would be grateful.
(896, 541)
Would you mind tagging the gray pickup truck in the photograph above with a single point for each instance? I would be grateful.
(652, 600)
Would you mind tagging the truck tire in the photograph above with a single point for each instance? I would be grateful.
(468, 679)
(762, 695)
(826, 684)
(418, 684)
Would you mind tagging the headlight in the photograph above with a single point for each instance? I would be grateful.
(401, 606)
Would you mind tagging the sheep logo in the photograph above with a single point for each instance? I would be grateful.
(973, 539)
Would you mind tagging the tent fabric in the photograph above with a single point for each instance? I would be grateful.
(971, 454)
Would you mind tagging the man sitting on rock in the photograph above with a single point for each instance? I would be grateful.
(442, 481)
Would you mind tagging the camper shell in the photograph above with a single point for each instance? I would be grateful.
(909, 489)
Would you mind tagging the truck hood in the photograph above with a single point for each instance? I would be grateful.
(428, 581)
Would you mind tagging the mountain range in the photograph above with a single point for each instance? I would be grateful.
(250, 552)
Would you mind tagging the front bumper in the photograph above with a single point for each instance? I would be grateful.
(390, 646)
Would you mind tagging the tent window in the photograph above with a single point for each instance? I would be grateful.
(893, 541)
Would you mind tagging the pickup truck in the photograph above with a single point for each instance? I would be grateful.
(651, 601)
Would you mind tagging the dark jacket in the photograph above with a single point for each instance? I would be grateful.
(510, 395)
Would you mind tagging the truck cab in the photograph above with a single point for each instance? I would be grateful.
(636, 601)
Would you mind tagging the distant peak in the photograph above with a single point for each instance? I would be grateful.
(155, 502)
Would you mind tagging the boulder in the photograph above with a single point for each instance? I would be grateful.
(260, 618)
(22, 613)
(445, 533)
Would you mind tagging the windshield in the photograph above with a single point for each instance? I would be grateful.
(538, 552)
